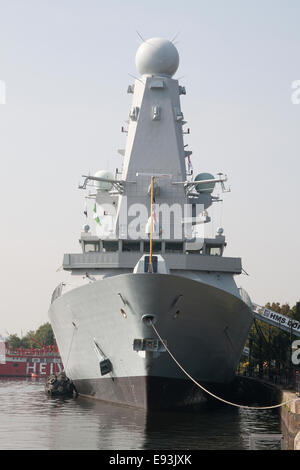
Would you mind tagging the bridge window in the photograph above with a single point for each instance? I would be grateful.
(214, 250)
(174, 247)
(130, 245)
(194, 252)
(91, 246)
(110, 245)
(156, 247)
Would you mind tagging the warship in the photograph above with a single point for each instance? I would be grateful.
(148, 262)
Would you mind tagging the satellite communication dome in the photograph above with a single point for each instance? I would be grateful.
(102, 185)
(157, 56)
(205, 187)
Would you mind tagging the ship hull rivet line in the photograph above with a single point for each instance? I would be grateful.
(212, 394)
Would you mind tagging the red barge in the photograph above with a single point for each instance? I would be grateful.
(29, 362)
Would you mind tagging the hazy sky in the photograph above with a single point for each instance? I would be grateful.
(66, 66)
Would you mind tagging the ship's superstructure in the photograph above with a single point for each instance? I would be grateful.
(149, 261)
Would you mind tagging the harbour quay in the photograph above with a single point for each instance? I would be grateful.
(290, 419)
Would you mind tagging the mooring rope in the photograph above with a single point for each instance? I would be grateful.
(212, 394)
(71, 342)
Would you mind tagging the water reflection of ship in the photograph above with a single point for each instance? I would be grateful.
(205, 428)
(96, 425)
(104, 426)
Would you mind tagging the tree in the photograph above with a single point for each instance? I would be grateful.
(14, 341)
(27, 341)
(45, 335)
(296, 311)
(269, 343)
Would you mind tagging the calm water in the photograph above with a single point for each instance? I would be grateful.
(29, 419)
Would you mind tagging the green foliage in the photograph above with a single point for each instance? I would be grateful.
(14, 341)
(296, 311)
(270, 345)
(43, 336)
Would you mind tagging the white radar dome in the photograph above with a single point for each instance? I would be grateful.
(157, 56)
(102, 185)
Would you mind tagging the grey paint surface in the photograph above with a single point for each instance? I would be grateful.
(207, 337)
(174, 261)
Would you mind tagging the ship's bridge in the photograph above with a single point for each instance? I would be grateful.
(208, 246)
(204, 255)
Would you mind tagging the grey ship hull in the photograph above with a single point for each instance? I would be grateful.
(207, 337)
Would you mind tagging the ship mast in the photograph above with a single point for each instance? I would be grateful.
(154, 147)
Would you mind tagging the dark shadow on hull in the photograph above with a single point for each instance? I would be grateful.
(156, 393)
